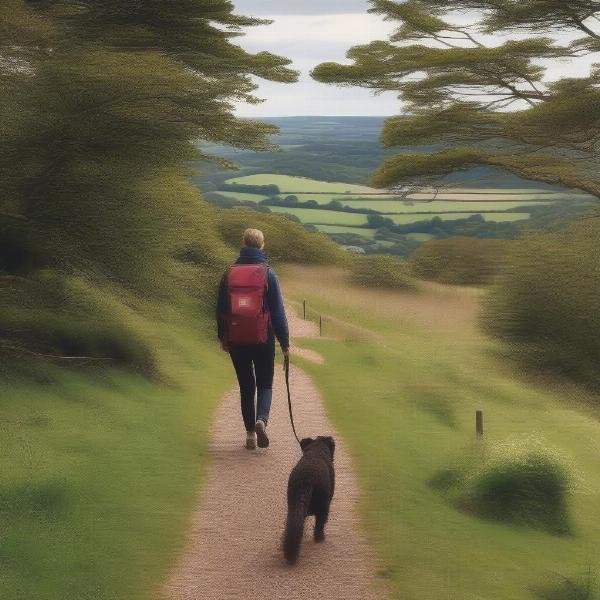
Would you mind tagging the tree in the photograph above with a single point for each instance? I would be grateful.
(376, 221)
(480, 92)
(104, 103)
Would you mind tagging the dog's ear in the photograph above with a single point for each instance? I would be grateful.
(330, 444)
(305, 443)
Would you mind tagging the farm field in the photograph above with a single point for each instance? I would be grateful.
(436, 206)
(401, 384)
(454, 204)
(317, 216)
(495, 195)
(503, 209)
(325, 217)
(328, 197)
(420, 237)
(241, 196)
(497, 217)
(367, 233)
(288, 184)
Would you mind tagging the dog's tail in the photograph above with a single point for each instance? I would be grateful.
(294, 526)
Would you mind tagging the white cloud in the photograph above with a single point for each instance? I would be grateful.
(295, 7)
(309, 40)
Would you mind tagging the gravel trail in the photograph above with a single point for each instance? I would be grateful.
(234, 544)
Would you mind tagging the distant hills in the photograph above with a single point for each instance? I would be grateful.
(345, 149)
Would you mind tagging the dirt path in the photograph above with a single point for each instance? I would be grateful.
(233, 549)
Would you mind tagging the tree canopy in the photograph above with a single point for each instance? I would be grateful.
(474, 80)
(103, 104)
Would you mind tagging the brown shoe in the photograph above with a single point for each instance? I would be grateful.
(261, 434)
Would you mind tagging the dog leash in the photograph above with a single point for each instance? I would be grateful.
(286, 368)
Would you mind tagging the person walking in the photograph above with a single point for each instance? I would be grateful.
(250, 315)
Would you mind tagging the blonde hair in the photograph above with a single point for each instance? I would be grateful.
(253, 238)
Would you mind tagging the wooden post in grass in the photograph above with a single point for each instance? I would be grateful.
(304, 309)
(479, 423)
(320, 325)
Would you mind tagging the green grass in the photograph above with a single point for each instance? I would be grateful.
(498, 217)
(325, 198)
(368, 233)
(99, 472)
(323, 217)
(241, 196)
(493, 195)
(288, 184)
(332, 217)
(402, 390)
(397, 206)
(420, 237)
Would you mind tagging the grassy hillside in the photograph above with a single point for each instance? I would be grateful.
(100, 468)
(107, 397)
(402, 383)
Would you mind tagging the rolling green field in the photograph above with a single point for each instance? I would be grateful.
(328, 197)
(495, 195)
(402, 384)
(330, 217)
(451, 204)
(420, 237)
(99, 471)
(497, 217)
(242, 196)
(503, 209)
(395, 206)
(368, 233)
(289, 185)
(325, 217)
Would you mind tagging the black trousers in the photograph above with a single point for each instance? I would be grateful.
(254, 367)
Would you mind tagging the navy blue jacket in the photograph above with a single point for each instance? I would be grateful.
(278, 322)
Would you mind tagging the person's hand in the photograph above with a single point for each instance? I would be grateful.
(224, 346)
(286, 352)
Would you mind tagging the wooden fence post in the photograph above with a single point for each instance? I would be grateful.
(304, 309)
(479, 423)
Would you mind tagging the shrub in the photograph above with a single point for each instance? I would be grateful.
(522, 483)
(381, 271)
(581, 588)
(546, 303)
(59, 316)
(459, 260)
(286, 241)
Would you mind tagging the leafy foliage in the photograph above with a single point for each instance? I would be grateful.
(103, 104)
(103, 119)
(459, 260)
(381, 271)
(285, 240)
(522, 483)
(579, 588)
(545, 301)
(491, 103)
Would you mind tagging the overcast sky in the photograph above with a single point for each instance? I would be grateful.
(310, 32)
(313, 31)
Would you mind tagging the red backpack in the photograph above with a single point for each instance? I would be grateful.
(248, 318)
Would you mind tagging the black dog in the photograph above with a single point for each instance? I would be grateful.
(310, 490)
